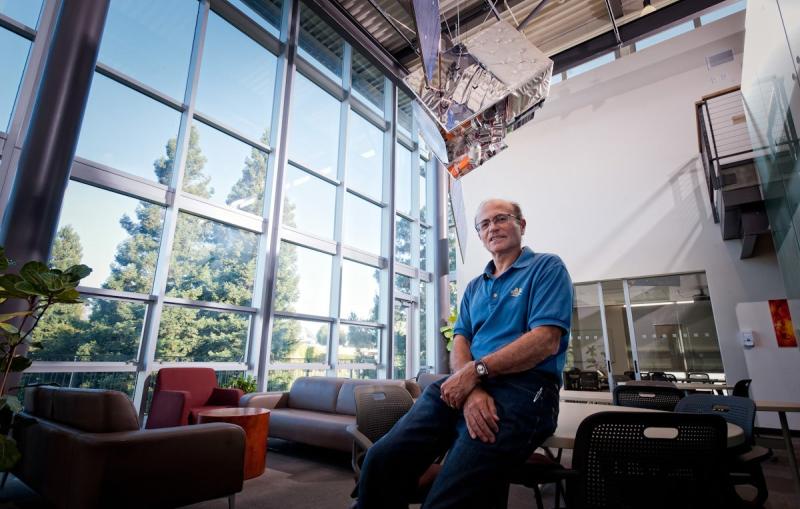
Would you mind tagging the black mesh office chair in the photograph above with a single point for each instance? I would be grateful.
(655, 397)
(629, 460)
(742, 388)
(590, 381)
(744, 463)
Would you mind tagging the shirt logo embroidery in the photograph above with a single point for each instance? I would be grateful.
(516, 292)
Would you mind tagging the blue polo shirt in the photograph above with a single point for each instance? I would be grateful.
(536, 290)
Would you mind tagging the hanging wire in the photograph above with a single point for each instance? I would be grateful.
(508, 8)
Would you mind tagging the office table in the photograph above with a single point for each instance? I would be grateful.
(782, 407)
(571, 415)
(600, 397)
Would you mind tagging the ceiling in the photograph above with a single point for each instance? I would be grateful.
(569, 31)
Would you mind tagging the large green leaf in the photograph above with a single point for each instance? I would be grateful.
(27, 289)
(7, 327)
(18, 363)
(32, 272)
(78, 272)
(8, 282)
(11, 402)
(52, 282)
(68, 296)
(9, 453)
(8, 316)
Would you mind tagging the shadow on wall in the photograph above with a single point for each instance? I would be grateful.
(687, 188)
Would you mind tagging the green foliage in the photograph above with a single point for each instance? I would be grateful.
(448, 330)
(246, 383)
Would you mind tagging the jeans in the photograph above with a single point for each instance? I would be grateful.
(473, 472)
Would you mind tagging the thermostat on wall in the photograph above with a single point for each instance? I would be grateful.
(748, 339)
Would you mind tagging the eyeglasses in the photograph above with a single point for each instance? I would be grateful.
(499, 219)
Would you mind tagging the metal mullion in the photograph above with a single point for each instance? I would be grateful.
(308, 241)
(217, 213)
(81, 367)
(370, 115)
(363, 323)
(319, 78)
(217, 366)
(606, 340)
(132, 83)
(341, 173)
(388, 213)
(412, 336)
(631, 330)
(315, 173)
(406, 270)
(17, 27)
(243, 23)
(214, 306)
(356, 255)
(231, 131)
(106, 293)
(269, 249)
(302, 316)
(368, 198)
(406, 215)
(153, 317)
(104, 177)
(405, 140)
(23, 105)
(318, 366)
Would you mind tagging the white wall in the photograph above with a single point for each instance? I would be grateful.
(608, 176)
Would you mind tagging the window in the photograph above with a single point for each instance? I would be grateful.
(24, 11)
(129, 132)
(402, 241)
(303, 281)
(320, 45)
(15, 53)
(120, 245)
(591, 64)
(266, 13)
(364, 157)
(237, 80)
(368, 82)
(314, 128)
(151, 41)
(723, 12)
(360, 296)
(359, 345)
(228, 172)
(212, 262)
(403, 179)
(305, 196)
(664, 35)
(362, 224)
(201, 335)
(299, 341)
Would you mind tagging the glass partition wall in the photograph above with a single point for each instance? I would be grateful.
(212, 247)
(660, 327)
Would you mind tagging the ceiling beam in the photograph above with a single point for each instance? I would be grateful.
(616, 8)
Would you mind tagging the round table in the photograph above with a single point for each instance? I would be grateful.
(571, 415)
(255, 423)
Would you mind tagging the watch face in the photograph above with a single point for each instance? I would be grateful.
(481, 368)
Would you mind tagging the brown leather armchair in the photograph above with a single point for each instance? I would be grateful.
(181, 393)
(82, 448)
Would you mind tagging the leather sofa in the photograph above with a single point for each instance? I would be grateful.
(317, 410)
(82, 449)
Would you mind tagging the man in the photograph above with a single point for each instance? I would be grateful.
(501, 402)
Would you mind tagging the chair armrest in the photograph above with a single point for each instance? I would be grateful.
(359, 438)
(268, 400)
(168, 409)
(225, 397)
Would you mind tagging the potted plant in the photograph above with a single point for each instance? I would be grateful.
(33, 290)
(244, 382)
(447, 330)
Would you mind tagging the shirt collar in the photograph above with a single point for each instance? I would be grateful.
(524, 259)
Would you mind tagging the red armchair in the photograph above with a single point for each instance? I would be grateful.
(181, 393)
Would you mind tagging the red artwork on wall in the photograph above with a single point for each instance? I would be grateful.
(782, 322)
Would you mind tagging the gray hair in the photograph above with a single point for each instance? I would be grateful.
(514, 206)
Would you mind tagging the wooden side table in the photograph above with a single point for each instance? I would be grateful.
(255, 423)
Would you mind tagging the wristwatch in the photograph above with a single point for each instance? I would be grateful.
(481, 370)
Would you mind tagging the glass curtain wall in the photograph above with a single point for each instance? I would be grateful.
(178, 149)
(672, 324)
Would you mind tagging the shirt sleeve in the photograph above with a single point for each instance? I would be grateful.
(464, 322)
(551, 299)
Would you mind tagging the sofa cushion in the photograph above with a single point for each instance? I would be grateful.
(346, 402)
(315, 393)
(90, 410)
(313, 428)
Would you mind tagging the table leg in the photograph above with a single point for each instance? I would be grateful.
(787, 440)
